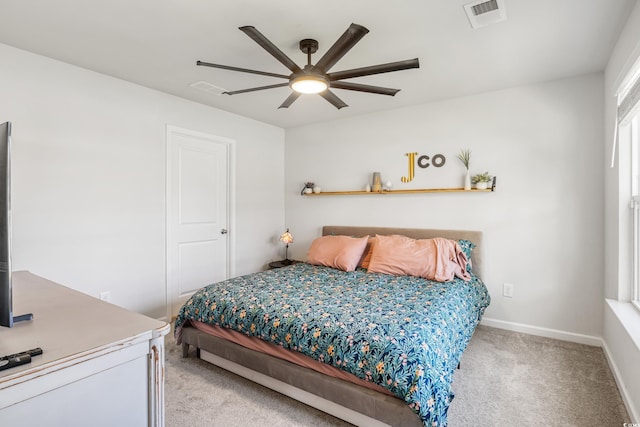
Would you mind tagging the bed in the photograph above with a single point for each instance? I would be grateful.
(370, 348)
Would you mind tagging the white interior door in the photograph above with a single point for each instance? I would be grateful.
(197, 213)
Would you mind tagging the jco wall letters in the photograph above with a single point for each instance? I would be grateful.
(423, 162)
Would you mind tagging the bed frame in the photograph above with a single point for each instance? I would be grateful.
(350, 402)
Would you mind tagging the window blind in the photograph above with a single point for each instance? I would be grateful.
(627, 104)
(630, 102)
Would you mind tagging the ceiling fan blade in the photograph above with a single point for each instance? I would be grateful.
(375, 69)
(333, 99)
(259, 38)
(253, 89)
(244, 70)
(343, 45)
(364, 88)
(290, 100)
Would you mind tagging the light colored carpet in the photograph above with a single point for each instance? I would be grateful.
(506, 378)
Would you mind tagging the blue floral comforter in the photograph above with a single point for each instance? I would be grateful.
(404, 333)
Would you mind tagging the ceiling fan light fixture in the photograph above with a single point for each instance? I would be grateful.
(309, 84)
(316, 79)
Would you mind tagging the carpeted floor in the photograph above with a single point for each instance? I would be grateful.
(506, 379)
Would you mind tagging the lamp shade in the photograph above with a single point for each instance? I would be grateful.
(286, 237)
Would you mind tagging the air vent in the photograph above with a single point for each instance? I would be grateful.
(485, 7)
(208, 87)
(483, 13)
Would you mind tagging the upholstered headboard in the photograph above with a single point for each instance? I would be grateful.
(415, 233)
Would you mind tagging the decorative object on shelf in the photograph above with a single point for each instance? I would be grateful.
(376, 187)
(387, 186)
(367, 188)
(308, 188)
(286, 238)
(465, 157)
(481, 180)
(317, 189)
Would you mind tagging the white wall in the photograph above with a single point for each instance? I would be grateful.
(543, 227)
(621, 332)
(89, 178)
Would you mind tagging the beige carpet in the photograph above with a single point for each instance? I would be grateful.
(506, 379)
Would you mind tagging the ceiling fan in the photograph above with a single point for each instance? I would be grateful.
(317, 78)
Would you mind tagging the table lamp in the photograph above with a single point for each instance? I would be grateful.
(286, 238)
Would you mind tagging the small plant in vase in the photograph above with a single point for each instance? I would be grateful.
(465, 157)
(482, 180)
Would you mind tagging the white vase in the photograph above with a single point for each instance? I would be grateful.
(482, 185)
(467, 181)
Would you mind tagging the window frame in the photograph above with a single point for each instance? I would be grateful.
(634, 128)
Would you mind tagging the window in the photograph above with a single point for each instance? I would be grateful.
(628, 134)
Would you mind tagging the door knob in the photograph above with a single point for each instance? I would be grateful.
(224, 231)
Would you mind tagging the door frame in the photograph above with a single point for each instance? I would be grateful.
(231, 202)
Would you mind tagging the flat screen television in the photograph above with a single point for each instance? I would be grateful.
(7, 318)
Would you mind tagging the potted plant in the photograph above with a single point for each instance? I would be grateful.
(482, 180)
(465, 156)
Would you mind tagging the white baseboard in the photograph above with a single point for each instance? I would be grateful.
(543, 332)
(633, 413)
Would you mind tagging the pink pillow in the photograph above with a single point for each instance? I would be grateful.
(401, 255)
(341, 252)
(437, 259)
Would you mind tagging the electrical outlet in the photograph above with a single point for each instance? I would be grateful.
(105, 296)
(507, 290)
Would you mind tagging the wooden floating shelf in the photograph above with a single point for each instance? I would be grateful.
(413, 191)
(491, 189)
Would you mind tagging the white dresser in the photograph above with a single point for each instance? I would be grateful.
(101, 365)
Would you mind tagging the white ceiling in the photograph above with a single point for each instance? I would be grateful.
(156, 43)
